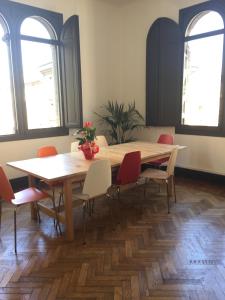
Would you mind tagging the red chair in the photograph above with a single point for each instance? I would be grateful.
(46, 151)
(29, 195)
(163, 139)
(129, 170)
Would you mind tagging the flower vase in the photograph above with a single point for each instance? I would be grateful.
(89, 150)
(88, 153)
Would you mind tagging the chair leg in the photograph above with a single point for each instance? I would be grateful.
(84, 221)
(56, 219)
(168, 197)
(110, 198)
(89, 207)
(38, 213)
(159, 190)
(145, 186)
(15, 232)
(0, 214)
(61, 196)
(118, 193)
(53, 201)
(174, 189)
(92, 206)
(60, 200)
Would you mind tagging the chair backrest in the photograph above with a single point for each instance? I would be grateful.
(130, 168)
(47, 151)
(101, 141)
(98, 179)
(165, 139)
(171, 162)
(74, 147)
(6, 191)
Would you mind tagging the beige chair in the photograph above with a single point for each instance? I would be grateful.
(94, 186)
(74, 147)
(101, 141)
(161, 176)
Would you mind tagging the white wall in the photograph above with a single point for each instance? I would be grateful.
(113, 57)
(98, 30)
(202, 153)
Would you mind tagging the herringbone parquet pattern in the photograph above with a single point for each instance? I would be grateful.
(143, 254)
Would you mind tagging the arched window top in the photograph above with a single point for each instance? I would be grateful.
(3, 27)
(37, 27)
(2, 31)
(206, 21)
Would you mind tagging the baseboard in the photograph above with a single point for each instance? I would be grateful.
(201, 175)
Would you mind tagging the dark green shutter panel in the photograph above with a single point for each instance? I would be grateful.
(163, 73)
(71, 73)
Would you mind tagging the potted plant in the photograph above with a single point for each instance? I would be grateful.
(86, 140)
(120, 120)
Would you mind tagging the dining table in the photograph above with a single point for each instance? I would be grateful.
(72, 167)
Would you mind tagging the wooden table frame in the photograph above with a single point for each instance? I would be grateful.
(72, 167)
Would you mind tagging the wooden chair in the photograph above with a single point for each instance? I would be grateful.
(50, 151)
(97, 182)
(163, 176)
(27, 196)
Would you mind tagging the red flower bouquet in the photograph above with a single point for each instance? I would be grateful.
(87, 140)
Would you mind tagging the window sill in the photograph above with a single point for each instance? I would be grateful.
(36, 134)
(200, 130)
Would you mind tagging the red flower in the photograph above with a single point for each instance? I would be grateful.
(88, 124)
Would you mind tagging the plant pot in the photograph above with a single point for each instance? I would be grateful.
(88, 154)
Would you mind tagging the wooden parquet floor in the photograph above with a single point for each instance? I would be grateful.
(143, 254)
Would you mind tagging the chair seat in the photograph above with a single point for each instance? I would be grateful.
(154, 174)
(29, 195)
(80, 196)
(158, 162)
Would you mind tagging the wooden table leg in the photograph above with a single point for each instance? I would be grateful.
(33, 209)
(68, 210)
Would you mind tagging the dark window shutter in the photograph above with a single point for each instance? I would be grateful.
(163, 73)
(71, 73)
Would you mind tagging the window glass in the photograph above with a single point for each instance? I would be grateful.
(203, 60)
(40, 80)
(7, 119)
(205, 22)
(34, 27)
(40, 85)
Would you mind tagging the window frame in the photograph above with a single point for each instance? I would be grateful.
(185, 17)
(14, 14)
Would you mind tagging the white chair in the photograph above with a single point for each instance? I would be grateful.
(101, 141)
(163, 176)
(74, 147)
(97, 182)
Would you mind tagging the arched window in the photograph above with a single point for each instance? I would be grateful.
(7, 117)
(40, 73)
(39, 49)
(202, 71)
